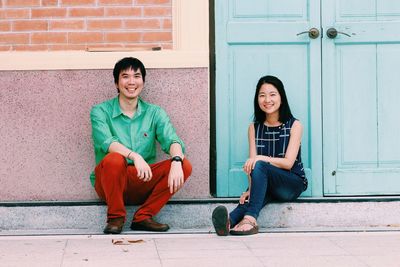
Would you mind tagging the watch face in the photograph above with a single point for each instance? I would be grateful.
(177, 158)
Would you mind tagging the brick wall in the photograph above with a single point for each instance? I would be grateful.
(49, 25)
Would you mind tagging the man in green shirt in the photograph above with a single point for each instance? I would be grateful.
(124, 131)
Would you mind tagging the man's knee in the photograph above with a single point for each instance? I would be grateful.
(114, 161)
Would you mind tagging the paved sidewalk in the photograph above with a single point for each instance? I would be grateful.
(267, 249)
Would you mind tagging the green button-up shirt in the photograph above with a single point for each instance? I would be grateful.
(150, 123)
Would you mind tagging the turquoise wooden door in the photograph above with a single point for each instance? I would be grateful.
(361, 78)
(255, 38)
(343, 87)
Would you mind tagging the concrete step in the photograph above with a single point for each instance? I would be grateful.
(192, 216)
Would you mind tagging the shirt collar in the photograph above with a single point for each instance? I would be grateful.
(117, 109)
(140, 108)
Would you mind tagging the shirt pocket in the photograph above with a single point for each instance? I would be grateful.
(147, 138)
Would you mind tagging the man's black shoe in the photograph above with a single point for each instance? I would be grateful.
(149, 225)
(114, 226)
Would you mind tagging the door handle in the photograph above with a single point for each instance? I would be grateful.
(313, 33)
(332, 33)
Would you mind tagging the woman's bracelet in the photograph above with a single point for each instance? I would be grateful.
(129, 155)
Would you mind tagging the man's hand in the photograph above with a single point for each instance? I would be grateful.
(175, 177)
(143, 169)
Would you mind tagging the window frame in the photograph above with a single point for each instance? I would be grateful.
(190, 47)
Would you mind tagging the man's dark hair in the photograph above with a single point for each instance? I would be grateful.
(284, 110)
(128, 63)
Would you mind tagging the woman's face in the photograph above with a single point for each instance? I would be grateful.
(269, 99)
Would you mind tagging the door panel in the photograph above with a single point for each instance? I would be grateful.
(359, 74)
(388, 105)
(252, 43)
(353, 83)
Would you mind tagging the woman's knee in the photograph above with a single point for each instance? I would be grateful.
(260, 169)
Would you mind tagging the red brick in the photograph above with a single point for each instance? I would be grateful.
(49, 2)
(66, 25)
(107, 45)
(15, 13)
(121, 37)
(5, 47)
(66, 47)
(104, 24)
(30, 47)
(167, 24)
(142, 24)
(22, 3)
(48, 37)
(30, 25)
(49, 13)
(14, 38)
(123, 11)
(167, 46)
(86, 12)
(115, 2)
(5, 26)
(78, 2)
(114, 47)
(157, 11)
(157, 36)
(145, 46)
(152, 2)
(85, 37)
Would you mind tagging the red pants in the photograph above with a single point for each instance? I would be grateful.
(117, 184)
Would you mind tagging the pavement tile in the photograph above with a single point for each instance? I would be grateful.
(98, 251)
(207, 242)
(210, 253)
(379, 261)
(317, 261)
(202, 262)
(293, 246)
(369, 244)
(36, 252)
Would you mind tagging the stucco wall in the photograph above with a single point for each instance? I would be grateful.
(45, 134)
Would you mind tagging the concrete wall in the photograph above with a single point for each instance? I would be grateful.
(45, 133)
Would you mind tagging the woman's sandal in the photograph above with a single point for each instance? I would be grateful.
(252, 231)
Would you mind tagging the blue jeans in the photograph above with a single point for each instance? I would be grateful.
(267, 183)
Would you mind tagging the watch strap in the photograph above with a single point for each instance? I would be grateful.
(177, 158)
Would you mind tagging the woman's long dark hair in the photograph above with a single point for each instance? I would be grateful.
(284, 110)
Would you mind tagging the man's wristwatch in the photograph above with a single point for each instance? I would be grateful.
(177, 158)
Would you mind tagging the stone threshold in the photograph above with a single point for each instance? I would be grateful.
(330, 199)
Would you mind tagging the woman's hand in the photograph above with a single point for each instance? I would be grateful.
(245, 197)
(250, 163)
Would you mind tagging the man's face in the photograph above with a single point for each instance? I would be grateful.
(130, 83)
